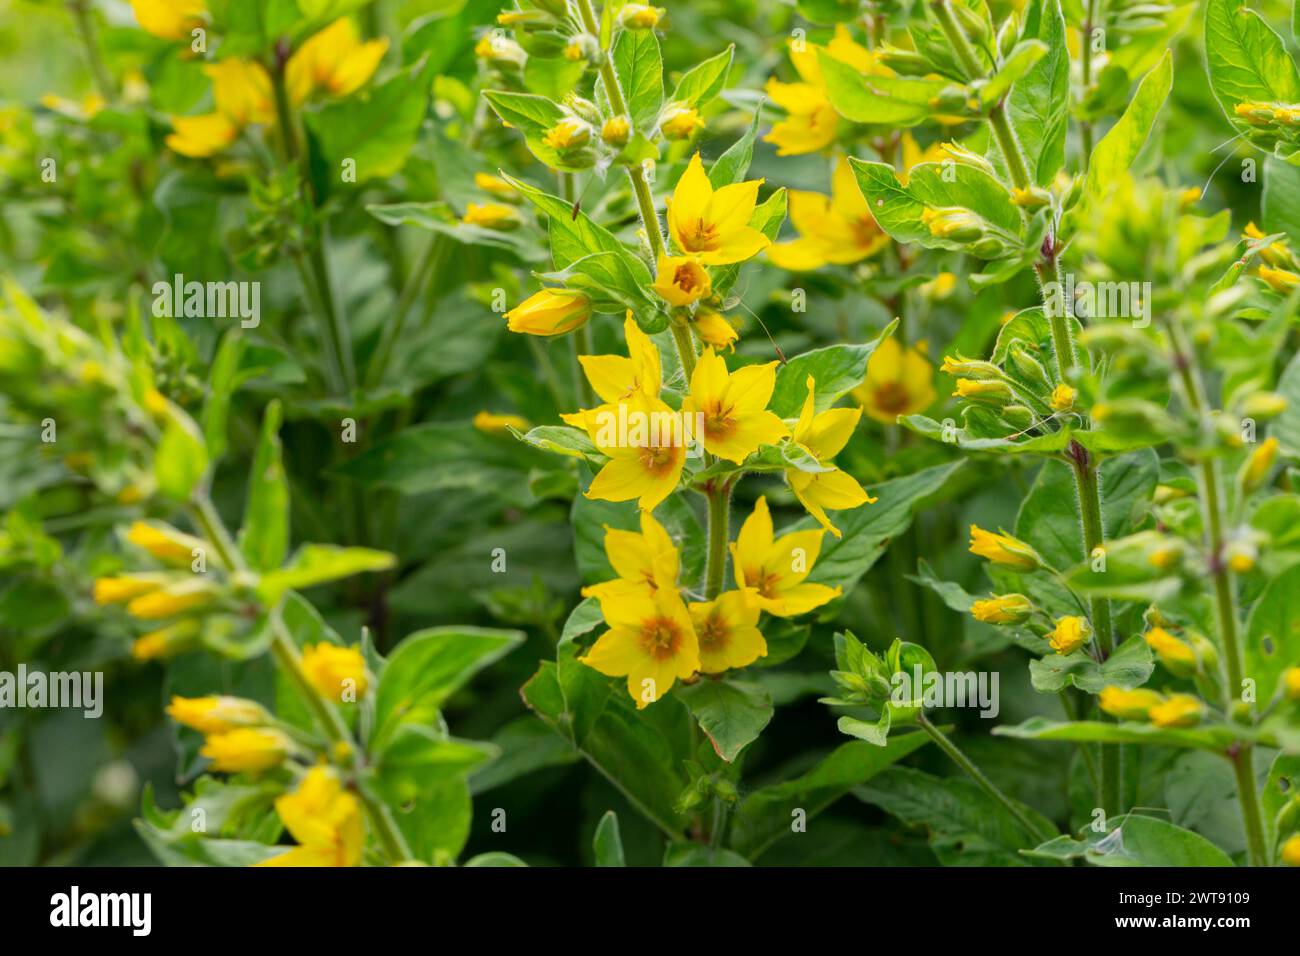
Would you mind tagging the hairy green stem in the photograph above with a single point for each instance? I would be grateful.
(1243, 767)
(945, 744)
(80, 10)
(719, 513)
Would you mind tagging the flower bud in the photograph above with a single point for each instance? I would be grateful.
(572, 132)
(1290, 851)
(953, 222)
(1070, 634)
(1262, 406)
(335, 670)
(550, 312)
(1291, 683)
(492, 215)
(988, 391)
(1028, 367)
(1063, 398)
(166, 642)
(1128, 704)
(639, 16)
(1004, 550)
(165, 542)
(1031, 197)
(246, 749)
(1002, 609)
(1180, 710)
(1019, 417)
(679, 122)
(904, 62)
(616, 132)
(584, 107)
(1178, 658)
(497, 187)
(970, 368)
(1258, 465)
(172, 600)
(214, 715)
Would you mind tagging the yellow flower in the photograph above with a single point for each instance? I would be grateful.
(1254, 112)
(616, 378)
(1276, 253)
(201, 136)
(940, 287)
(492, 215)
(646, 446)
(990, 389)
(681, 280)
(616, 131)
(639, 16)
(734, 407)
(216, 715)
(1279, 280)
(1180, 710)
(496, 186)
(970, 368)
(1070, 634)
(574, 52)
(773, 572)
(823, 435)
(569, 133)
(164, 542)
(1291, 682)
(339, 673)
(171, 601)
(125, 587)
(837, 229)
(644, 562)
(680, 123)
(167, 641)
(727, 631)
(324, 818)
(1002, 609)
(1128, 704)
(550, 312)
(1240, 561)
(1003, 549)
(335, 60)
(714, 225)
(811, 123)
(1179, 658)
(650, 641)
(496, 48)
(246, 749)
(168, 19)
(897, 383)
(1259, 464)
(953, 222)
(490, 422)
(1063, 397)
(1290, 852)
(242, 91)
(714, 328)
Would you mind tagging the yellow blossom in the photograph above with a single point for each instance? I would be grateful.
(215, 715)
(1279, 280)
(991, 389)
(650, 641)
(734, 407)
(573, 52)
(1063, 398)
(165, 543)
(168, 19)
(898, 383)
(727, 631)
(823, 435)
(1180, 710)
(1002, 609)
(680, 123)
(681, 280)
(713, 225)
(1128, 704)
(201, 136)
(569, 133)
(324, 818)
(616, 378)
(242, 91)
(1178, 658)
(550, 312)
(773, 572)
(496, 186)
(335, 61)
(1259, 464)
(1003, 549)
(492, 215)
(1070, 634)
(714, 328)
(171, 600)
(616, 131)
(646, 446)
(644, 562)
(339, 673)
(175, 638)
(1277, 253)
(491, 422)
(246, 749)
(639, 16)
(837, 229)
(121, 588)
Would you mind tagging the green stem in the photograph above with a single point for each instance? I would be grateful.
(580, 341)
(1085, 53)
(1243, 766)
(1034, 829)
(719, 512)
(431, 259)
(80, 10)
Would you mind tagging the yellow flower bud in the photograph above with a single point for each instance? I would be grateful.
(1002, 609)
(1259, 464)
(246, 749)
(639, 16)
(1167, 493)
(491, 423)
(1070, 634)
(171, 601)
(124, 587)
(681, 280)
(496, 186)
(1290, 852)
(550, 312)
(953, 222)
(1180, 710)
(569, 133)
(1291, 683)
(1255, 113)
(1031, 197)
(339, 673)
(1178, 658)
(165, 542)
(714, 329)
(983, 389)
(1279, 280)
(167, 641)
(1264, 405)
(215, 715)
(1128, 704)
(973, 369)
(492, 215)
(616, 132)
(680, 123)
(1003, 549)
(1063, 398)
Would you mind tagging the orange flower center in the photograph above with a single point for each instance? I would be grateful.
(764, 580)
(865, 232)
(699, 236)
(660, 637)
(656, 459)
(891, 397)
(712, 634)
(688, 277)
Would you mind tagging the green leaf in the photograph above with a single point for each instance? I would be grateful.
(431, 665)
(495, 859)
(1128, 667)
(376, 128)
(1016, 64)
(1214, 737)
(825, 12)
(837, 370)
(886, 100)
(1136, 840)
(264, 537)
(1039, 104)
(1286, 427)
(1247, 60)
(1280, 203)
(607, 844)
(966, 826)
(765, 815)
(181, 459)
(1273, 633)
(221, 385)
(732, 165)
(732, 714)
(315, 564)
(640, 69)
(703, 82)
(1112, 157)
(696, 854)
(552, 77)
